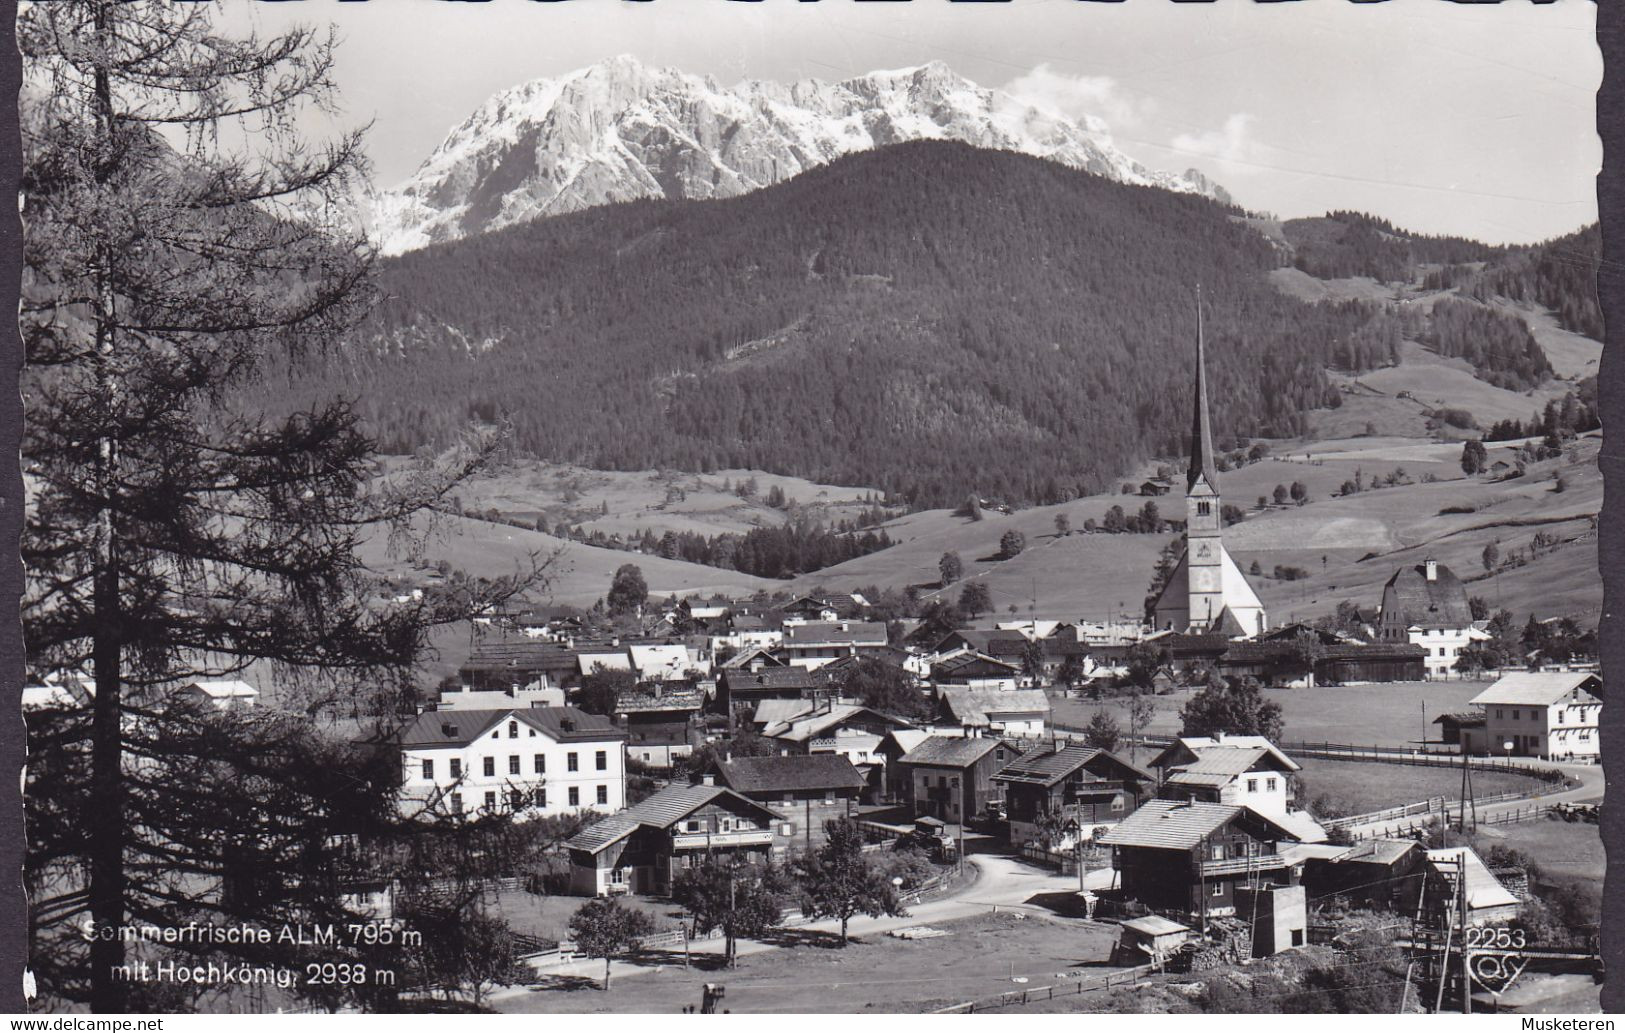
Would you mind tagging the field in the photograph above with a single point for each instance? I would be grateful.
(1362, 787)
(1571, 852)
(1389, 714)
(977, 958)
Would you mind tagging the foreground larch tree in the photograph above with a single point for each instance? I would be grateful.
(179, 246)
(838, 881)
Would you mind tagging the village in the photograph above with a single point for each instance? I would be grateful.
(1019, 813)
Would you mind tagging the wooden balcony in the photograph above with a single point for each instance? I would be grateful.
(736, 838)
(1242, 865)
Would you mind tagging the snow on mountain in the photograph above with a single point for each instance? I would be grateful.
(620, 131)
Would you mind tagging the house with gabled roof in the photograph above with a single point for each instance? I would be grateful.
(1191, 861)
(530, 761)
(1017, 712)
(1056, 795)
(1426, 605)
(808, 789)
(1549, 714)
(740, 690)
(1236, 769)
(645, 847)
(660, 717)
(1487, 901)
(970, 670)
(952, 777)
(507, 664)
(815, 643)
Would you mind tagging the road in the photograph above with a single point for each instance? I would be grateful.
(1000, 882)
(1589, 790)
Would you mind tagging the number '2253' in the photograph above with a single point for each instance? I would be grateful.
(1495, 938)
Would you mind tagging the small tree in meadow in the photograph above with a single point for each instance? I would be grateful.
(602, 928)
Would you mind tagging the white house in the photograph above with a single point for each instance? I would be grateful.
(1021, 712)
(534, 761)
(815, 643)
(1426, 605)
(1248, 770)
(1550, 714)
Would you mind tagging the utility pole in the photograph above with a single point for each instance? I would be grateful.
(1466, 973)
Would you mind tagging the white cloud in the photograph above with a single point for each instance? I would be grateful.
(1231, 143)
(1097, 101)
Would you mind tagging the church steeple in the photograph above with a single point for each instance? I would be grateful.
(1201, 426)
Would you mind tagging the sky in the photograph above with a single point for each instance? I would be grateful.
(1469, 119)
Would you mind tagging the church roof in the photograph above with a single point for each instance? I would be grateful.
(1201, 426)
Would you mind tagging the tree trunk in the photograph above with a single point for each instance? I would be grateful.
(843, 930)
(606, 973)
(107, 879)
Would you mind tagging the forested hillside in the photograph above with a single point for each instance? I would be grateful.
(1343, 244)
(929, 319)
(1560, 274)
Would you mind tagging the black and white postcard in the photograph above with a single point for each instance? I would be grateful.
(699, 507)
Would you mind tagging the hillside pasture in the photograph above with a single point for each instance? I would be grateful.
(577, 574)
(1361, 787)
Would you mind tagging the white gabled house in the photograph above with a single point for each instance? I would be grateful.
(534, 762)
(1549, 714)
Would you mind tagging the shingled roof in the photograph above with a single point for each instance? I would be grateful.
(949, 752)
(660, 811)
(973, 707)
(1047, 767)
(519, 655)
(812, 771)
(1410, 598)
(1179, 825)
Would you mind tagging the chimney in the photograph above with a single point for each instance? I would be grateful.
(448, 729)
(1432, 568)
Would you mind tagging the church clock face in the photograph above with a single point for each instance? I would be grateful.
(1205, 579)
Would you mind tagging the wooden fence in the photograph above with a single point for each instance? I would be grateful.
(1027, 995)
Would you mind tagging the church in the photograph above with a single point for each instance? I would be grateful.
(1208, 593)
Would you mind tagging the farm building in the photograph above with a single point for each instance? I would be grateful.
(1083, 787)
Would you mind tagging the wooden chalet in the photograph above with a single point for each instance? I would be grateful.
(643, 848)
(1188, 861)
(659, 719)
(952, 778)
(1085, 787)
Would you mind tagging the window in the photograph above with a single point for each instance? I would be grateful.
(1534, 715)
(457, 803)
(1218, 889)
(533, 733)
(1117, 803)
(1560, 716)
(603, 794)
(1203, 508)
(1270, 784)
(516, 799)
(490, 767)
(1515, 713)
(513, 729)
(541, 764)
(428, 769)
(456, 767)
(575, 796)
(1498, 714)
(600, 761)
(1252, 785)
(691, 825)
(570, 762)
(953, 783)
(490, 801)
(513, 763)
(497, 734)
(1218, 852)
(541, 797)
